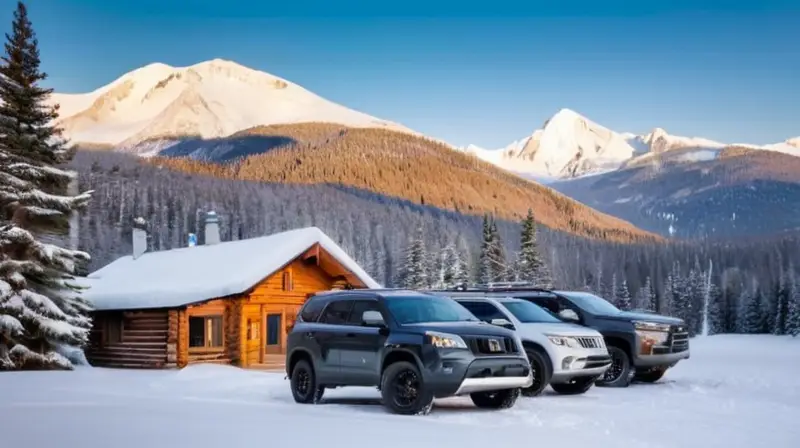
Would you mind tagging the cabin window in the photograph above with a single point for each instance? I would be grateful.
(253, 330)
(205, 332)
(113, 330)
(288, 281)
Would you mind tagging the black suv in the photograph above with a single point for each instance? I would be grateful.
(642, 345)
(414, 347)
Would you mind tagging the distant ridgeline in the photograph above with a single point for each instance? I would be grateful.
(752, 281)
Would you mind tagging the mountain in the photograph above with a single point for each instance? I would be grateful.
(697, 193)
(207, 100)
(396, 164)
(570, 145)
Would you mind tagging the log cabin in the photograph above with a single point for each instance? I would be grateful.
(220, 302)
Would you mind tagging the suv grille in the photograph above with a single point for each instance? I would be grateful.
(590, 342)
(678, 339)
(487, 345)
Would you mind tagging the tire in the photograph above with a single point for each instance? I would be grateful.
(540, 370)
(497, 399)
(403, 390)
(650, 376)
(619, 373)
(304, 384)
(576, 387)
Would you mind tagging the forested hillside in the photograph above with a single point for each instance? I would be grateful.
(396, 164)
(380, 231)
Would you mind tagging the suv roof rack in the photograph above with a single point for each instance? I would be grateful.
(499, 286)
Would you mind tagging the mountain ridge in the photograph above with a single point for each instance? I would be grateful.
(578, 146)
(210, 99)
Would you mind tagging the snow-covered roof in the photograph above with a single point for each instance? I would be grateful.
(187, 275)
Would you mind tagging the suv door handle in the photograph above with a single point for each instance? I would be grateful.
(309, 335)
(350, 335)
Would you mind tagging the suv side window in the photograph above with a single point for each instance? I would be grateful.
(548, 303)
(311, 310)
(359, 306)
(484, 311)
(336, 312)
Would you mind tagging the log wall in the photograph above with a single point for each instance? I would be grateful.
(143, 342)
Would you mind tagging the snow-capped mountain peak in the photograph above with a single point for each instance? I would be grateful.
(210, 99)
(568, 145)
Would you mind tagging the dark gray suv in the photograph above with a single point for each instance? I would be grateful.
(413, 347)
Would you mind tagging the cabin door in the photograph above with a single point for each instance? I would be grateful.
(273, 330)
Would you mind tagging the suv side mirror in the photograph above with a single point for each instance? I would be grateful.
(372, 318)
(568, 314)
(505, 323)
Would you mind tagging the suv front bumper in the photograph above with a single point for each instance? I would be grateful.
(463, 373)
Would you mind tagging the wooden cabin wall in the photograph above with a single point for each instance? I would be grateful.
(134, 339)
(222, 354)
(273, 296)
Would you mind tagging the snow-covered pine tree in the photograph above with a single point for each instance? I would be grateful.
(450, 267)
(793, 305)
(513, 270)
(645, 298)
(40, 303)
(624, 296)
(413, 273)
(25, 117)
(754, 318)
(782, 292)
(497, 254)
(715, 323)
(485, 260)
(531, 265)
(41, 309)
(613, 291)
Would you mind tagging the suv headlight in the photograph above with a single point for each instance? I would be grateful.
(445, 340)
(641, 325)
(564, 341)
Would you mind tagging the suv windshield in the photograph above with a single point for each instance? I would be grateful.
(527, 312)
(412, 310)
(591, 302)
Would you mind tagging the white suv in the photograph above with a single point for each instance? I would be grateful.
(569, 357)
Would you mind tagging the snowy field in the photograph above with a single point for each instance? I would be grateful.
(735, 391)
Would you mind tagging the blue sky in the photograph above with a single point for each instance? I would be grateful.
(481, 73)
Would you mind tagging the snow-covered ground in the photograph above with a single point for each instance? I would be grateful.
(735, 391)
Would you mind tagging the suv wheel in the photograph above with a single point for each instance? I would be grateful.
(618, 373)
(304, 383)
(404, 391)
(540, 371)
(650, 376)
(575, 387)
(496, 399)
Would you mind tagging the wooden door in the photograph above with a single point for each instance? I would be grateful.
(273, 326)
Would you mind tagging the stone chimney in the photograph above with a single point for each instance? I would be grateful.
(212, 228)
(139, 237)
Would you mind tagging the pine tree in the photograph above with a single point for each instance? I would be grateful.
(41, 309)
(40, 305)
(531, 266)
(782, 293)
(793, 306)
(413, 273)
(624, 297)
(715, 322)
(645, 298)
(25, 118)
(497, 254)
(613, 290)
(485, 261)
(754, 317)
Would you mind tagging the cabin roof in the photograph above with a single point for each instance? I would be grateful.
(177, 277)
